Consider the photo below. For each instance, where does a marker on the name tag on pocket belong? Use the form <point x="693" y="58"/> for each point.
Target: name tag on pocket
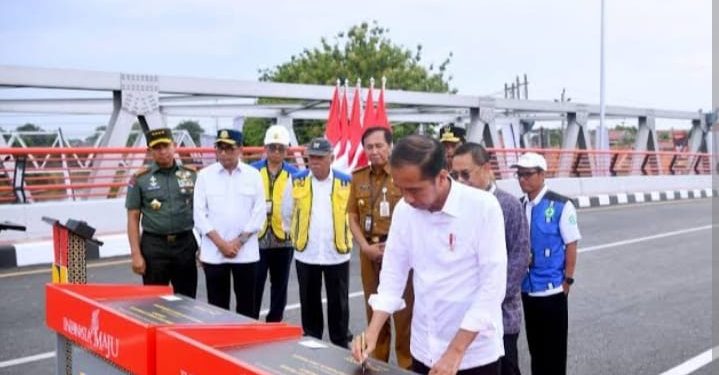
<point x="367" y="224"/>
<point x="384" y="209"/>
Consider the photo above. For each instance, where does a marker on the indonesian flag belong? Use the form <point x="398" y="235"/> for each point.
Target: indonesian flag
<point x="341" y="148"/>
<point x="355" y="129"/>
<point x="381" y="115"/>
<point x="368" y="121"/>
<point x="332" y="128"/>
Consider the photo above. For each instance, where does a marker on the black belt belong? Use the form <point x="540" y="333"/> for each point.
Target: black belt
<point x="376" y="239"/>
<point x="170" y="238"/>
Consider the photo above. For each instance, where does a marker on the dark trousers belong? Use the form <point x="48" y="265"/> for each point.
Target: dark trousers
<point x="336" y="277"/>
<point x="546" y="321"/>
<point x="277" y="262"/>
<point x="217" y="278"/>
<point x="170" y="260"/>
<point x="509" y="364"/>
<point x="488" y="369"/>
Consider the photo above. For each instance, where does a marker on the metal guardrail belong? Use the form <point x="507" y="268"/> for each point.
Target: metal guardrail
<point x="44" y="174"/>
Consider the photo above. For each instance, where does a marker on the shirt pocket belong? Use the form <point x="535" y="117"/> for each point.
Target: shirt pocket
<point x="154" y="194"/>
<point x="246" y="197"/>
<point x="362" y="202"/>
<point x="216" y="198"/>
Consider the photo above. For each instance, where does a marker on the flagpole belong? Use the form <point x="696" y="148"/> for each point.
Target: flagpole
<point x="601" y="141"/>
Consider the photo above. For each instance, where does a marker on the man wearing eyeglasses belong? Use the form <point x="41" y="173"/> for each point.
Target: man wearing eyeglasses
<point x="471" y="166"/>
<point x="554" y="235"/>
<point x="275" y="244"/>
<point x="229" y="211"/>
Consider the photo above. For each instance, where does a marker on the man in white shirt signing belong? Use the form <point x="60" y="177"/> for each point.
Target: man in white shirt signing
<point x="229" y="211"/>
<point x="452" y="236"/>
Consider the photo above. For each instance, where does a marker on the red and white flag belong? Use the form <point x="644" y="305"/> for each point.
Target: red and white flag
<point x="343" y="145"/>
<point x="332" y="128"/>
<point x="355" y="127"/>
<point x="381" y="114"/>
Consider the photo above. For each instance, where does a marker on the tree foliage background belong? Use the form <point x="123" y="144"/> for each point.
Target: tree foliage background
<point x="364" y="51"/>
<point x="193" y="128"/>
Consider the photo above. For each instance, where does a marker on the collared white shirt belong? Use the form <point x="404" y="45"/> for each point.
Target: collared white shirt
<point x="320" y="247"/>
<point x="231" y="204"/>
<point x="568" y="228"/>
<point x="459" y="258"/>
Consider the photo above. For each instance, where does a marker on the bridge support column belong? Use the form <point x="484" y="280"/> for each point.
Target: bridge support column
<point x="287" y="123"/>
<point x="576" y="137"/>
<point x="646" y="141"/>
<point x="697" y="141"/>
<point x="138" y="100"/>
<point x="483" y="130"/>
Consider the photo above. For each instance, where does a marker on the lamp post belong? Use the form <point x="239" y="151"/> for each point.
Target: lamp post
<point x="600" y="135"/>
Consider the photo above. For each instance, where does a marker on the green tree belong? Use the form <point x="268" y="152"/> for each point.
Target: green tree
<point x="35" y="140"/>
<point x="90" y="140"/>
<point x="192" y="127"/>
<point x="135" y="131"/>
<point x="363" y="51"/>
<point x="629" y="134"/>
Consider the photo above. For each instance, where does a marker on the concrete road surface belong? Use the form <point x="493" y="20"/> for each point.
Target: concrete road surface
<point x="641" y="303"/>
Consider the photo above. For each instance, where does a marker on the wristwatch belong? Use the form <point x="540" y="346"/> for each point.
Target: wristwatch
<point x="569" y="280"/>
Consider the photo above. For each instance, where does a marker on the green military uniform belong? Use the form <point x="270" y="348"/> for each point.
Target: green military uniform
<point x="372" y="198"/>
<point x="164" y="198"/>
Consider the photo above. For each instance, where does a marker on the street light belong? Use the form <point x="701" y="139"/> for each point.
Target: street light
<point x="600" y="136"/>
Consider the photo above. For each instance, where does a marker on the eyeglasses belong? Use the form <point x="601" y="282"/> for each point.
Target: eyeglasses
<point x="224" y="149"/>
<point x="526" y="174"/>
<point x="463" y="174"/>
<point x="276" y="148"/>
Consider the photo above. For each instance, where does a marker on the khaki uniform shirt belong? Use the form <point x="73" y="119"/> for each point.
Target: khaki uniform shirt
<point x="371" y="189"/>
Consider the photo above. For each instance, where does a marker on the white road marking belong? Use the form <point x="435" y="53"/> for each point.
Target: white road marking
<point x="39" y="357"/>
<point x="642" y="239"/>
<point x="324" y="301"/>
<point x="692" y="364"/>
<point x="32" y="358"/>
<point x="47" y="268"/>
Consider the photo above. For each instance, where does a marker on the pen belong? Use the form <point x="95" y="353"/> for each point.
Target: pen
<point x="363" y="364"/>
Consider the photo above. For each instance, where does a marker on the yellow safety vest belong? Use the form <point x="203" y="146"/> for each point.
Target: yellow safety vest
<point x="301" y="212"/>
<point x="274" y="219"/>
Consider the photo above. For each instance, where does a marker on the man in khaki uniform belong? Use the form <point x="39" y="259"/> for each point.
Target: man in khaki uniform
<point x="372" y="199"/>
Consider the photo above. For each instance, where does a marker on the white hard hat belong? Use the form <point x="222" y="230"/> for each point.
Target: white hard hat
<point x="531" y="160"/>
<point x="277" y="134"/>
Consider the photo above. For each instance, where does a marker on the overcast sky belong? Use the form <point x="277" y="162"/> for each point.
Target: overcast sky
<point x="658" y="52"/>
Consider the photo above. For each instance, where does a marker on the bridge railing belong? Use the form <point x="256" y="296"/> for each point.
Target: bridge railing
<point x="43" y="174"/>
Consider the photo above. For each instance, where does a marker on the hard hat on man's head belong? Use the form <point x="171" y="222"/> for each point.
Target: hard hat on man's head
<point x="531" y="160"/>
<point x="277" y="134"/>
